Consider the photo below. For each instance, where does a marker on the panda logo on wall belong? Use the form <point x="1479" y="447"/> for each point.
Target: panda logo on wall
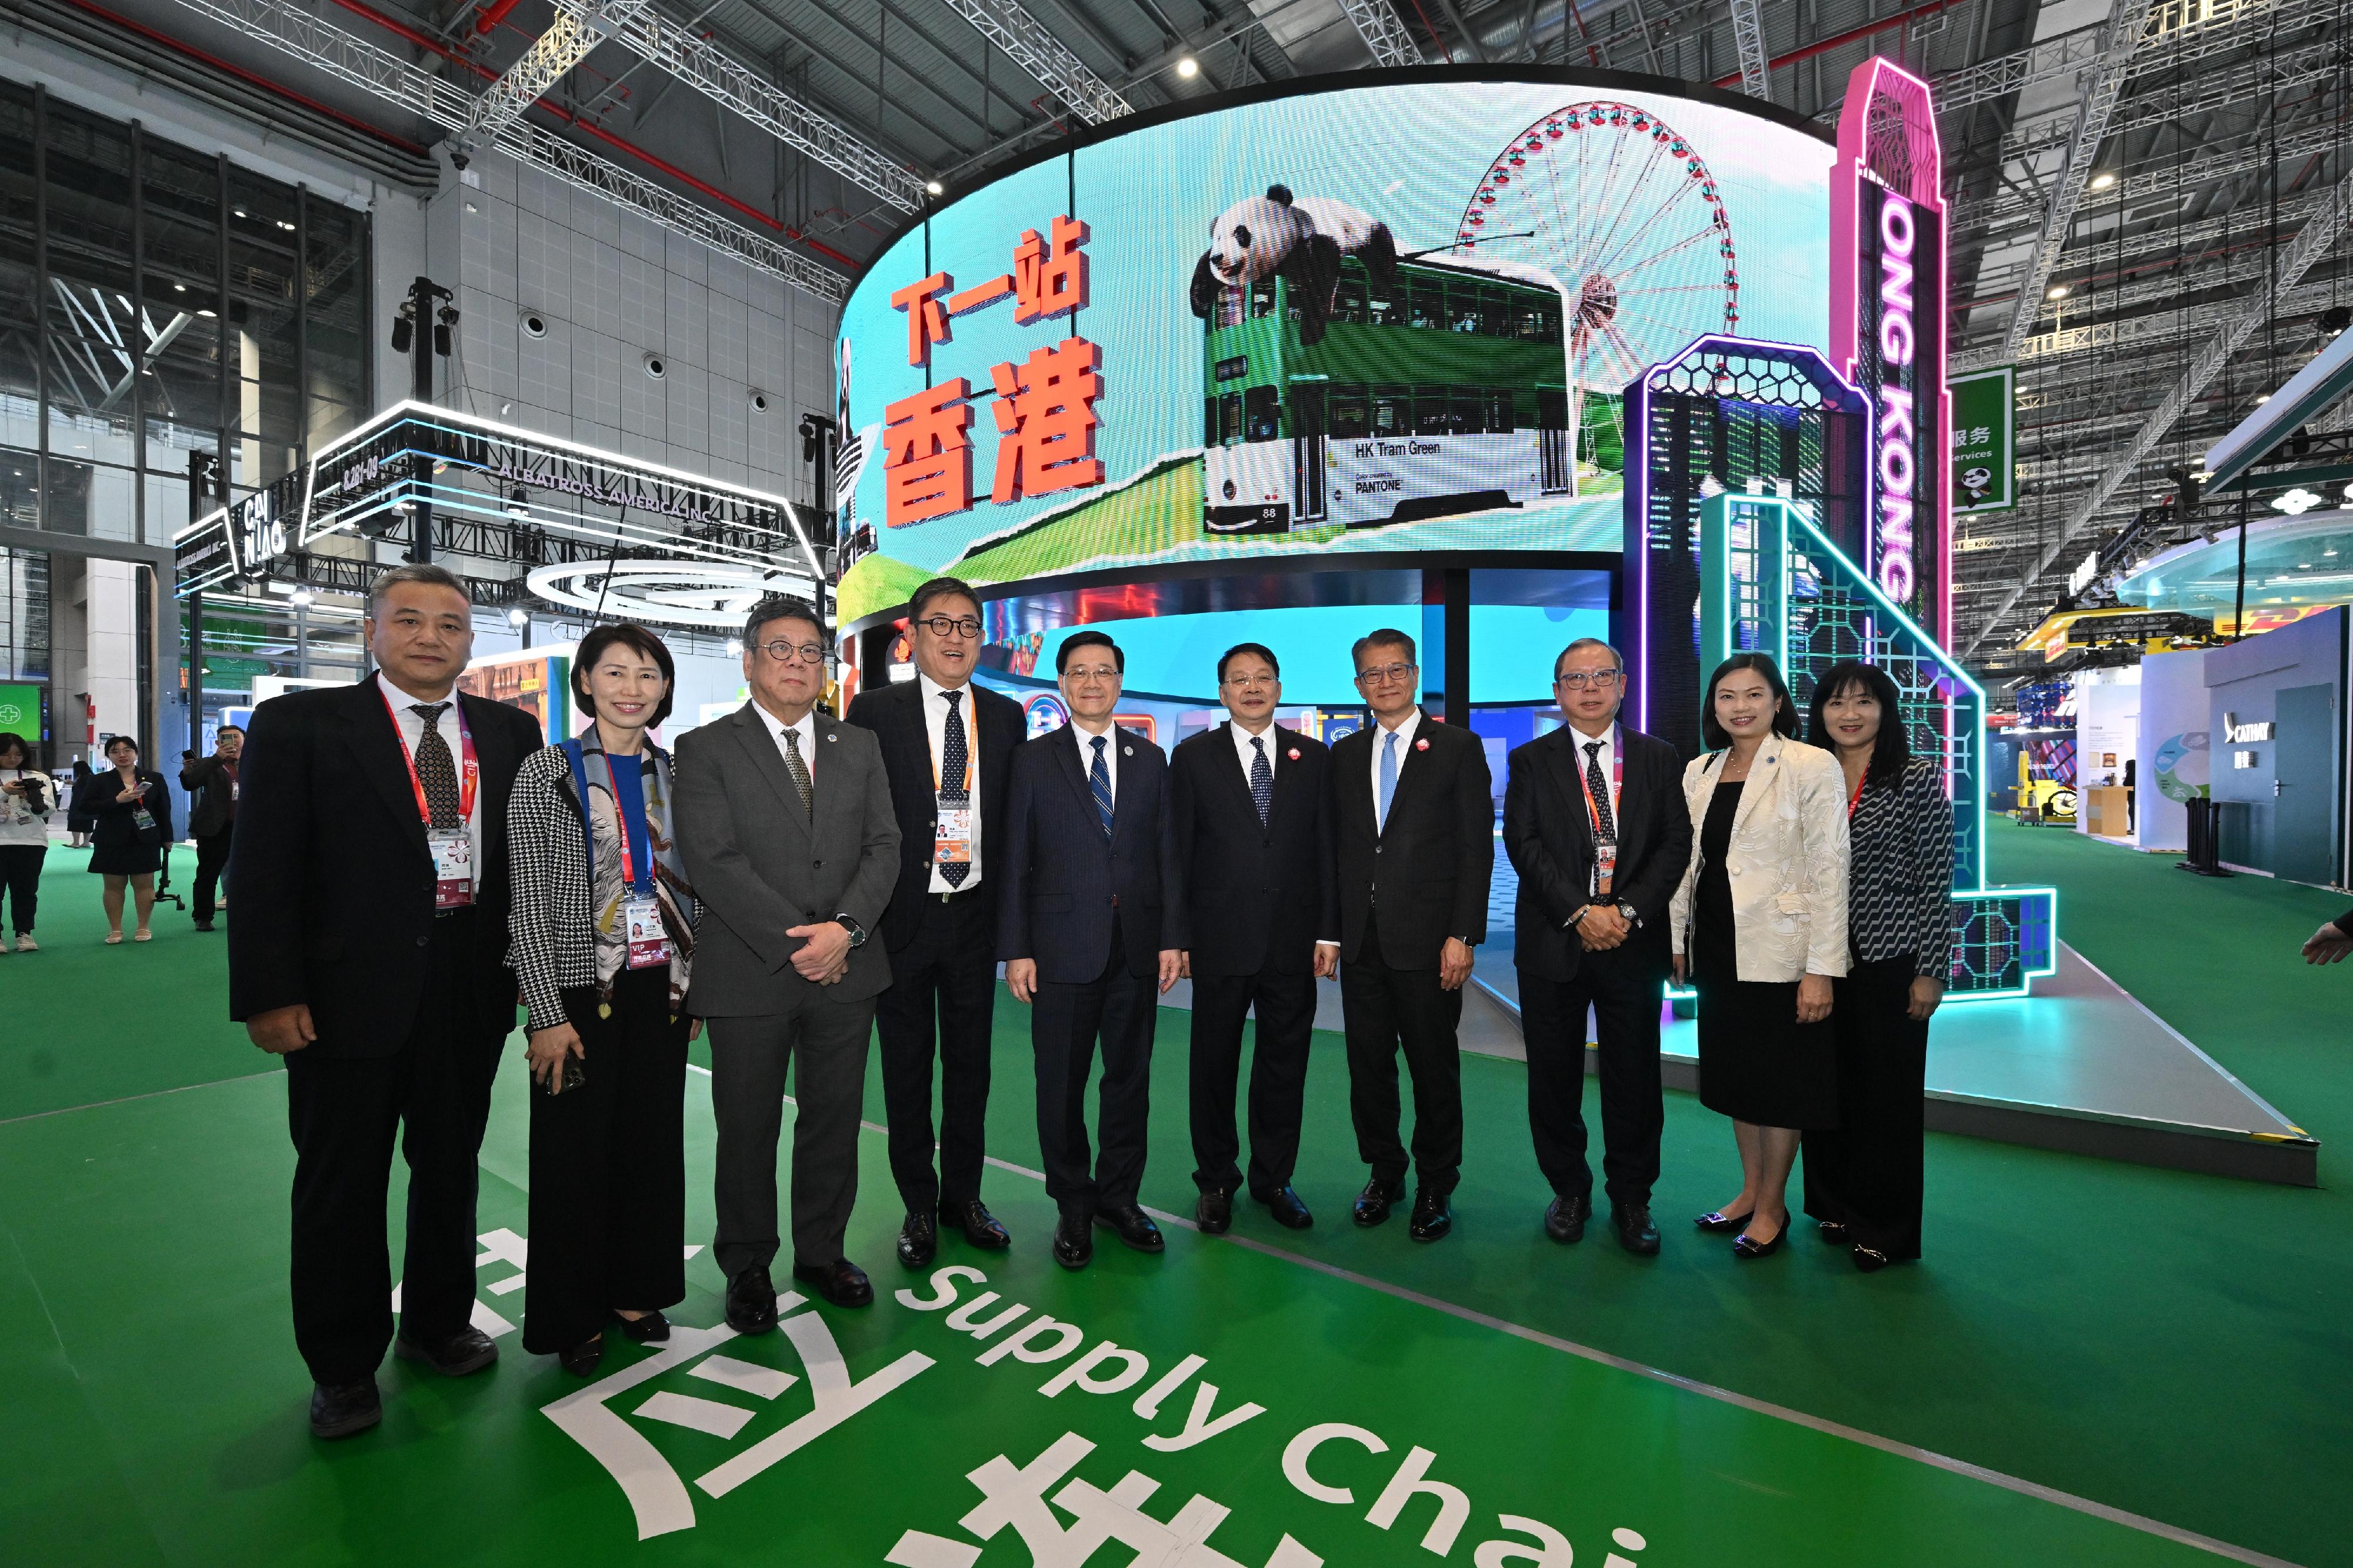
<point x="1300" y="240"/>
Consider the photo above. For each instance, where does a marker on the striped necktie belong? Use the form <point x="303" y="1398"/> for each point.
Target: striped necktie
<point x="1099" y="783"/>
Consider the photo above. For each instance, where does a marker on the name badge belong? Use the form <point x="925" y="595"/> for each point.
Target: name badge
<point x="1604" y="863"/>
<point x="647" y="937"/>
<point x="453" y="868"/>
<point x="953" y="843"/>
<point x="142" y="819"/>
<point x="232" y="789"/>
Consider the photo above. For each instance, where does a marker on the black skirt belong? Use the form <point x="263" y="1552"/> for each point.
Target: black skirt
<point x="1756" y="1063"/>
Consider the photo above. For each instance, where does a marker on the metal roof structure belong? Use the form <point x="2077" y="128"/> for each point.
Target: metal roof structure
<point x="2148" y="196"/>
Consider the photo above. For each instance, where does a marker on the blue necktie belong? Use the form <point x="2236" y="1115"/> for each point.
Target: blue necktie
<point x="1389" y="777"/>
<point x="1262" y="778"/>
<point x="1099" y="779"/>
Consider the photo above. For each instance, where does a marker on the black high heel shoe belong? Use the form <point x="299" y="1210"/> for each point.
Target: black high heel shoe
<point x="1745" y="1246"/>
<point x="1717" y="1220"/>
<point x="651" y="1328"/>
<point x="583" y="1359"/>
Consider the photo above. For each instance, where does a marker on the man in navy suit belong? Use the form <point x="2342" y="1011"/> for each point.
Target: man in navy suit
<point x="1255" y="833"/>
<point x="1091" y="919"/>
<point x="1595" y="823"/>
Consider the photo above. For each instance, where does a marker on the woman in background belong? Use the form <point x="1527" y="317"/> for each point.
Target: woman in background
<point x="80" y="823"/>
<point x="1863" y="1176"/>
<point x="27" y="798"/>
<point x="1759" y="923"/>
<point x="603" y="922"/>
<point x="132" y="812"/>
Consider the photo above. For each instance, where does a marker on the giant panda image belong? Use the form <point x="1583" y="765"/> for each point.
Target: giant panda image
<point x="1302" y="240"/>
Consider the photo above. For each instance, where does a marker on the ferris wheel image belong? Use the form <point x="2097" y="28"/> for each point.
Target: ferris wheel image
<point x="1624" y="215"/>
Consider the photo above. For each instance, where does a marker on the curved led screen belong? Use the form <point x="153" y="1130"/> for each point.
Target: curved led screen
<point x="1389" y="318"/>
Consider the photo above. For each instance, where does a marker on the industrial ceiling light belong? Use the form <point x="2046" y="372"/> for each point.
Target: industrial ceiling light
<point x="2058" y="291"/>
<point x="2103" y="180"/>
<point x="1188" y="68"/>
<point x="518" y="616"/>
<point x="2296" y="502"/>
<point x="934" y="187"/>
<point x="304" y="597"/>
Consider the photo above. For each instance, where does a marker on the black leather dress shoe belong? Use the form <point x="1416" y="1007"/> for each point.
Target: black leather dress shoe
<point x="1134" y="1225"/>
<point x="1434" y="1215"/>
<point x="340" y="1409"/>
<point x="1214" y="1212"/>
<point x="1565" y="1217"/>
<point x="1636" y="1233"/>
<point x="1835" y="1232"/>
<point x="652" y="1329"/>
<point x="1372" y="1203"/>
<point x="1074" y="1245"/>
<point x="841" y="1282"/>
<point x="468" y="1350"/>
<point x="979" y="1227"/>
<point x="582" y="1360"/>
<point x="751" y="1302"/>
<point x="1287" y="1210"/>
<point x="1870" y="1260"/>
<point x="919" y="1240"/>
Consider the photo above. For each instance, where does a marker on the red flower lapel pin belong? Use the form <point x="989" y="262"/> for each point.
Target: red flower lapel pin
<point x="1421" y="745"/>
<point x="1293" y="754"/>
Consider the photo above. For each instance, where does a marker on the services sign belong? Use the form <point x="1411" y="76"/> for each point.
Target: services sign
<point x="1985" y="440"/>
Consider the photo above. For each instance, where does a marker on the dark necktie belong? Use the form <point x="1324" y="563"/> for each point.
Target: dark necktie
<point x="1099" y="782"/>
<point x="1607" y="821"/>
<point x="1262" y="778"/>
<point x="797" y="767"/>
<point x="953" y="759"/>
<point x="434" y="771"/>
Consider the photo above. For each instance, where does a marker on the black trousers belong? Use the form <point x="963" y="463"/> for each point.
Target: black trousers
<point x="20" y="877"/>
<point x="1118" y="1009"/>
<point x="1867" y="1173"/>
<point x="344" y="1113"/>
<point x="212" y="859"/>
<point x="608" y="1169"/>
<point x="823" y="1041"/>
<point x="942" y="994"/>
<point x="1622" y="988"/>
<point x="1285" y="999"/>
<point x="1387" y="1009"/>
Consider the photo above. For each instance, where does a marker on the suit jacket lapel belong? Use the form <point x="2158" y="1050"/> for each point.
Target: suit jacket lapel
<point x="752" y="734"/>
<point x="1764" y="771"/>
<point x="375" y="737"/>
<point x="836" y="807"/>
<point x="1074" y="770"/>
<point x="1289" y="777"/>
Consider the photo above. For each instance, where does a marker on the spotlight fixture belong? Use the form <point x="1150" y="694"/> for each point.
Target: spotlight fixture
<point x="518" y="616"/>
<point x="2336" y="319"/>
<point x="518" y="502"/>
<point x="2058" y="291"/>
<point x="2103" y="180"/>
<point x="2296" y="502"/>
<point x="1188" y="68"/>
<point x="404" y="330"/>
<point x="303" y="596"/>
<point x="934" y="188"/>
<point x="2262" y="399"/>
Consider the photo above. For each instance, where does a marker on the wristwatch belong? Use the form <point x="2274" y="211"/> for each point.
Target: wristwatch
<point x="1626" y="910"/>
<point x="856" y="933"/>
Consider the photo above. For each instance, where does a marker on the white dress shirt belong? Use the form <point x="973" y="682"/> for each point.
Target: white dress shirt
<point x="936" y="728"/>
<point x="411" y="731"/>
<point x="1404" y="734"/>
<point x="1242" y="739"/>
<point x="1607" y="756"/>
<point x="804" y="735"/>
<point x="1113" y="739"/>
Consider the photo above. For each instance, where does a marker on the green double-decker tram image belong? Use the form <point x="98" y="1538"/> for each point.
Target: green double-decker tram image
<point x="1452" y="396"/>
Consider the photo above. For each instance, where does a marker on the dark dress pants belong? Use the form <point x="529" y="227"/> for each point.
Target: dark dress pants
<point x="941" y="998"/>
<point x="1867" y="1173"/>
<point x="1622" y="988"/>
<point x="20" y="877"/>
<point x="608" y="1169"/>
<point x="212" y="858"/>
<point x="1119" y="1008"/>
<point x="1285" y="1000"/>
<point x="1387" y="1009"/>
<point x="823" y="1041"/>
<point x="344" y="1112"/>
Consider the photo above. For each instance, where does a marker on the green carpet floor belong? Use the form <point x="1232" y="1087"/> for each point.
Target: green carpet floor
<point x="2169" y="1344"/>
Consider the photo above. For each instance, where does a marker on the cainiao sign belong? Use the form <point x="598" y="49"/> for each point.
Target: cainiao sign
<point x="1887" y="327"/>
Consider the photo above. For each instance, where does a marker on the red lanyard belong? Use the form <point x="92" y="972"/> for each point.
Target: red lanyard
<point x="630" y="834"/>
<point x="1856" y="794"/>
<point x="1617" y="783"/>
<point x="468" y="771"/>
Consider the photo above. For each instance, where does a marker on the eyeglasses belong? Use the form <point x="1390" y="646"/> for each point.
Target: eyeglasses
<point x="1250" y="682"/>
<point x="1093" y="672"/>
<point x="1578" y="679"/>
<point x="1382" y="674"/>
<point x="941" y="627"/>
<point x="783" y="652"/>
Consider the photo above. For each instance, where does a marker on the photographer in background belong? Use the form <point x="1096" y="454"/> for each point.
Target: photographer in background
<point x="27" y="798"/>
<point x="213" y="816"/>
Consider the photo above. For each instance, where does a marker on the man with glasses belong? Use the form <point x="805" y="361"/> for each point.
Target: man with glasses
<point x="1413" y="817"/>
<point x="946" y="746"/>
<point x="1091" y="924"/>
<point x="784" y="819"/>
<point x="1595" y="823"/>
<point x="1255" y="838"/>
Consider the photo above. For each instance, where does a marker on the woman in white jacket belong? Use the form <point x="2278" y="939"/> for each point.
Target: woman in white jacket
<point x="1759" y="925"/>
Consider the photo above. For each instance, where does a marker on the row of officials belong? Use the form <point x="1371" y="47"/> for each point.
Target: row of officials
<point x="411" y="860"/>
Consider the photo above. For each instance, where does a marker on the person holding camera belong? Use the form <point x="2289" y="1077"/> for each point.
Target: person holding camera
<point x="132" y="812"/>
<point x="27" y="798"/>
<point x="212" y="817"/>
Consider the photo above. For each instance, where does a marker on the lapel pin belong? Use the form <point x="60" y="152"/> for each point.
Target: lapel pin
<point x="1293" y="754"/>
<point x="1127" y="751"/>
<point x="1421" y="745"/>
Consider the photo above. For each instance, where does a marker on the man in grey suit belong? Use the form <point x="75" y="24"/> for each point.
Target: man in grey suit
<point x="784" y="819"/>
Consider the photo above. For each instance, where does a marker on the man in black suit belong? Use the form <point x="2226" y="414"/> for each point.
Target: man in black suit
<point x="213" y="818"/>
<point x="1091" y="919"/>
<point x="1595" y="823"/>
<point x="948" y="746"/>
<point x="368" y="946"/>
<point x="1255" y="838"/>
<point x="1413" y="817"/>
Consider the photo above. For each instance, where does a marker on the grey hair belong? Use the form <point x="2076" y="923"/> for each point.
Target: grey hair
<point x="437" y="576"/>
<point x="1588" y="642"/>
